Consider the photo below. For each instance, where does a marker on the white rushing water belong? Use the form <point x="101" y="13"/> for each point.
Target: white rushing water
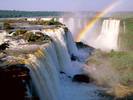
<point x="45" y="76"/>
<point x="47" y="60"/>
<point x="64" y="47"/>
<point x="2" y="36"/>
<point x="46" y="64"/>
<point x="72" y="49"/>
<point x="108" y="37"/>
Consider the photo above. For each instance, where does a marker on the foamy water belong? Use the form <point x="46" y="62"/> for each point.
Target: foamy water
<point x="108" y="38"/>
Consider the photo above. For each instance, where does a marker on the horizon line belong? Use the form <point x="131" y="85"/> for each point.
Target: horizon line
<point x="63" y="10"/>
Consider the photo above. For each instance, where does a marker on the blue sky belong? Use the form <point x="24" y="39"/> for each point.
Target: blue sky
<point x="64" y="5"/>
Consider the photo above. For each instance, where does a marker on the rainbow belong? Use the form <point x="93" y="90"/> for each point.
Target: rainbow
<point x="91" y="23"/>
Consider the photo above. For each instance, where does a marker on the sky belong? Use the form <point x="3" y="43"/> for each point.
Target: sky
<point x="64" y="5"/>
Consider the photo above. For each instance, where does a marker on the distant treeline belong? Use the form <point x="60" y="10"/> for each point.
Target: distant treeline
<point x="14" y="13"/>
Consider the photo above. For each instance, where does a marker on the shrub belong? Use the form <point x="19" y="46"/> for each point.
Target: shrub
<point x="7" y="26"/>
<point x="19" y="32"/>
<point x="118" y="61"/>
<point x="38" y="37"/>
<point x="51" y="22"/>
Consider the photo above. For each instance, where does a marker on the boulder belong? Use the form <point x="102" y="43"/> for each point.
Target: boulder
<point x="61" y="72"/>
<point x="81" y="78"/>
<point x="4" y="46"/>
<point x="73" y="57"/>
<point x="83" y="45"/>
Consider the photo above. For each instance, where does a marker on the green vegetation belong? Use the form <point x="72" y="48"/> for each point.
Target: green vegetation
<point x="123" y="61"/>
<point x="19" y="32"/>
<point x="7" y="26"/>
<point x="53" y="22"/>
<point x="38" y="37"/>
<point x="126" y="38"/>
<point x="14" y="13"/>
<point x="31" y="37"/>
<point x="40" y="22"/>
<point x="120" y="62"/>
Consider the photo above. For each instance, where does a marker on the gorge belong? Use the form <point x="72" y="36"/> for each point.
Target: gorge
<point x="54" y="60"/>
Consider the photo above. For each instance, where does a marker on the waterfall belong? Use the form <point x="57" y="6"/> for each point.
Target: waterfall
<point x="72" y="49"/>
<point x="44" y="73"/>
<point x="64" y="47"/>
<point x="108" y="37"/>
<point x="46" y="63"/>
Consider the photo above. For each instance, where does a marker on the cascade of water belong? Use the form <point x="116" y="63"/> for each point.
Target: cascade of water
<point x="59" y="39"/>
<point x="44" y="74"/>
<point x="46" y="64"/>
<point x="53" y="54"/>
<point x="72" y="49"/>
<point x="108" y="37"/>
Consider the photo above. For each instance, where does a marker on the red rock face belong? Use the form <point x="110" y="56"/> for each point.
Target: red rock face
<point x="19" y="71"/>
<point x="12" y="86"/>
